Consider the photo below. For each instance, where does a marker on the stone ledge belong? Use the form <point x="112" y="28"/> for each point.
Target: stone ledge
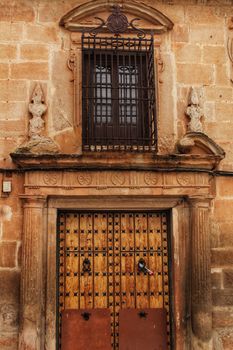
<point x="117" y="160"/>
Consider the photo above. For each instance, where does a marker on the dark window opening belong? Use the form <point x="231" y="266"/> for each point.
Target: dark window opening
<point x="118" y="93"/>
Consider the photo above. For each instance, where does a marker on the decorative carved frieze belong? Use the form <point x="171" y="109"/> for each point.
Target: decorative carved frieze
<point x="54" y="183"/>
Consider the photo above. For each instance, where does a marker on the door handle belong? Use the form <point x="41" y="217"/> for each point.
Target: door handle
<point x="142" y="267"/>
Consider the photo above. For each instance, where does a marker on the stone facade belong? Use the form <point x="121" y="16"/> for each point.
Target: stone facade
<point x="194" y="55"/>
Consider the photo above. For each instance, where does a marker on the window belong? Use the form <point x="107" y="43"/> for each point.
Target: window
<point x="118" y="93"/>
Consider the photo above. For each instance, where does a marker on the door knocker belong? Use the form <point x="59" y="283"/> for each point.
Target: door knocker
<point x="86" y="265"/>
<point x="142" y="267"/>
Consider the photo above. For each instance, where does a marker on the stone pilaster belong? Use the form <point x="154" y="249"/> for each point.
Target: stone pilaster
<point x="33" y="275"/>
<point x="201" y="298"/>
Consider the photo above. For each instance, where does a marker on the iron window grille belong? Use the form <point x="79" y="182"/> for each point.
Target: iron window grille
<point x="118" y="93"/>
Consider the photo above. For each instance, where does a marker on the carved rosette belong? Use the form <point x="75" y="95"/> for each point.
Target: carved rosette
<point x="84" y="179"/>
<point x="151" y="179"/>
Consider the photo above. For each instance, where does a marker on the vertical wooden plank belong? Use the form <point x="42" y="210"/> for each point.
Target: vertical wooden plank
<point x="71" y="288"/>
<point x="111" y="285"/>
<point x="100" y="260"/>
<point x="142" y="278"/>
<point x="127" y="261"/>
<point x="86" y="247"/>
<point x="155" y="260"/>
<point x="117" y="275"/>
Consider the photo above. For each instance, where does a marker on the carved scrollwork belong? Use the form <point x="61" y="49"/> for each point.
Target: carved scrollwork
<point x="84" y="179"/>
<point x="71" y="63"/>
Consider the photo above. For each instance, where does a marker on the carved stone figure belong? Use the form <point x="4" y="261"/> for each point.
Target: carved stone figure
<point x="37" y="108"/>
<point x="38" y="143"/>
<point x="195" y="112"/>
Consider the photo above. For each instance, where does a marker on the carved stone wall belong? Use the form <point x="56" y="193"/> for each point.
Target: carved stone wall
<point x="34" y="48"/>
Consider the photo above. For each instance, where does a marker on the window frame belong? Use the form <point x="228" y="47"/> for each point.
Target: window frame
<point x="142" y="49"/>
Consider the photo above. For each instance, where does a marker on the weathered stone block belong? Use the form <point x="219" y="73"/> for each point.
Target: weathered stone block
<point x="221" y="257"/>
<point x="222" y="75"/>
<point x="9" y="291"/>
<point x="188" y="53"/>
<point x="214" y="54"/>
<point x="225" y="187"/>
<point x="9" y="342"/>
<point x="223" y="210"/>
<point x="14" y="11"/>
<point x="11" y="31"/>
<point x="12" y="110"/>
<point x="226" y="234"/>
<point x="4" y="70"/>
<point x="29" y="70"/>
<point x="219" y="94"/>
<point x="7" y="51"/>
<point x="228" y="278"/>
<point x="7" y="254"/>
<point x="48" y="34"/>
<point x="222" y="297"/>
<point x="34" y="52"/>
<point x="224" y="111"/>
<point x="203" y="15"/>
<point x="10" y="127"/>
<point x="180" y="33"/>
<point x="13" y="90"/>
<point x="206" y="34"/>
<point x="195" y="73"/>
<point x="216" y="279"/>
<point x="222" y="318"/>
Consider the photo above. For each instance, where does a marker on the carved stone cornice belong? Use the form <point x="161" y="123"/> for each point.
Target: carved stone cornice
<point x="71" y="21"/>
<point x="197" y="143"/>
<point x="118" y="160"/>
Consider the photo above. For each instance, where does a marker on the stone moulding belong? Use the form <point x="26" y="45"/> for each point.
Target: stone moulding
<point x="160" y="22"/>
<point x="198" y="143"/>
<point x="114" y="161"/>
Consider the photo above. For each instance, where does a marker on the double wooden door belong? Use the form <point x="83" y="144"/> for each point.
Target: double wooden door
<point x="113" y="260"/>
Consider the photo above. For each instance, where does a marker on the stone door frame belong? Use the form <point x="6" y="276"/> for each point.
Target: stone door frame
<point x="38" y="317"/>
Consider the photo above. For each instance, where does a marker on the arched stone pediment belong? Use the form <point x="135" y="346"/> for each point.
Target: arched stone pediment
<point x="200" y="143"/>
<point x="157" y="21"/>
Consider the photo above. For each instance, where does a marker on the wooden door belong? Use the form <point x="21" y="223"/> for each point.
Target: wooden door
<point x="99" y="255"/>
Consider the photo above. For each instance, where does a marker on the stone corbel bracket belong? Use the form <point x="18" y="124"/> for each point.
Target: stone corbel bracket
<point x="71" y="21"/>
<point x="198" y="143"/>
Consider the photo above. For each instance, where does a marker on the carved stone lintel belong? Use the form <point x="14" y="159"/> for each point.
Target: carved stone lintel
<point x="201" y="298"/>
